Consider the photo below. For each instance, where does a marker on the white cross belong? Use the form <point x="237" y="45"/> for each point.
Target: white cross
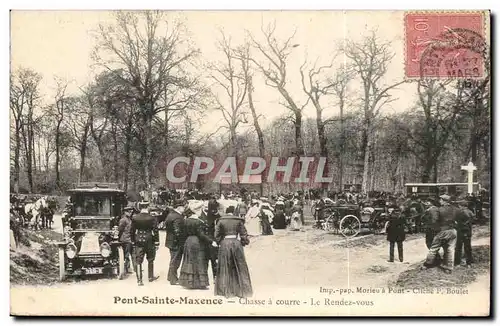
<point x="470" y="168"/>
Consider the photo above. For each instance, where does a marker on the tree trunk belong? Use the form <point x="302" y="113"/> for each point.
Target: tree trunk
<point x="33" y="154"/>
<point x="166" y="129"/>
<point x="127" y="158"/>
<point x="366" y="159"/>
<point x="39" y="154"/>
<point x="435" y="173"/>
<point x="17" y="149"/>
<point x="299" y="145"/>
<point x="27" y="155"/>
<point x="260" y="134"/>
<point x="83" y="149"/>
<point x="147" y="158"/>
<point x="342" y="148"/>
<point x="115" y="153"/>
<point x="322" y="143"/>
<point x="58" y="153"/>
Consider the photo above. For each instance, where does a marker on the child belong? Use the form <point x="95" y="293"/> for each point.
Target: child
<point x="396" y="234"/>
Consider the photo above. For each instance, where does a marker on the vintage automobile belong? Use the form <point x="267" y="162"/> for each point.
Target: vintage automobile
<point x="341" y="217"/>
<point x="90" y="224"/>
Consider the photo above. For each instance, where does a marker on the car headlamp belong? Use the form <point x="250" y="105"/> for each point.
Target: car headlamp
<point x="67" y="233"/>
<point x="71" y="250"/>
<point x="115" y="232"/>
<point x="105" y="249"/>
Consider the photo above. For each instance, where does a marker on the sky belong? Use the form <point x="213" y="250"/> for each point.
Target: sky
<point x="59" y="43"/>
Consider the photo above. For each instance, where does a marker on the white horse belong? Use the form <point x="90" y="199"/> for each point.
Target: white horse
<point x="34" y="211"/>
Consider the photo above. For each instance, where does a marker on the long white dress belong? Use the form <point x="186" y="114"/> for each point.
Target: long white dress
<point x="252" y="222"/>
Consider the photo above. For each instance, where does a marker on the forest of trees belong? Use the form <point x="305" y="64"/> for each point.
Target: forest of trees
<point x="147" y="103"/>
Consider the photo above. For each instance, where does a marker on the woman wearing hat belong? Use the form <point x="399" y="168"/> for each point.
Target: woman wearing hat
<point x="233" y="277"/>
<point x="194" y="269"/>
<point x="279" y="221"/>
<point x="252" y="221"/>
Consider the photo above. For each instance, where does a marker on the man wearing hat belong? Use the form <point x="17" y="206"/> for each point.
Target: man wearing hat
<point x="212" y="219"/>
<point x="431" y="223"/>
<point x="125" y="237"/>
<point x="176" y="236"/>
<point x="447" y="235"/>
<point x="464" y="234"/>
<point x="145" y="237"/>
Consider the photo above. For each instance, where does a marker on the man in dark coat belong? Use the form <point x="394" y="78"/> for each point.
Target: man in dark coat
<point x="145" y="237"/>
<point x="176" y="236"/>
<point x="212" y="218"/>
<point x="125" y="237"/>
<point x="396" y="234"/>
<point x="447" y="236"/>
<point x="431" y="224"/>
<point x="464" y="234"/>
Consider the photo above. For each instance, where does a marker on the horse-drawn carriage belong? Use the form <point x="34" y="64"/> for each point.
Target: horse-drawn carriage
<point x="91" y="244"/>
<point x="340" y="217"/>
<point x="36" y="211"/>
<point x="349" y="219"/>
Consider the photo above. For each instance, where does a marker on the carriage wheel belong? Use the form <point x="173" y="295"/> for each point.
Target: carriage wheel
<point x="328" y="225"/>
<point x="121" y="263"/>
<point x="313" y="209"/>
<point x="62" y="266"/>
<point x="350" y="226"/>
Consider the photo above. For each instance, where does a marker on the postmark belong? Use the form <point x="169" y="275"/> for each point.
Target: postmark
<point x="445" y="45"/>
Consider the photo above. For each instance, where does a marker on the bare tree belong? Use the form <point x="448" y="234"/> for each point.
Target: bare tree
<point x="275" y="72"/>
<point x="78" y="122"/>
<point x="339" y="90"/>
<point x="370" y="60"/>
<point x="17" y="105"/>
<point x="229" y="77"/>
<point x="46" y="136"/>
<point x="243" y="53"/>
<point x="440" y="113"/>
<point x="152" y="53"/>
<point x="58" y="113"/>
<point x="24" y="96"/>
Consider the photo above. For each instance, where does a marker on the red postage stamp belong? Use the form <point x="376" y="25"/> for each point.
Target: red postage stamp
<point x="445" y="44"/>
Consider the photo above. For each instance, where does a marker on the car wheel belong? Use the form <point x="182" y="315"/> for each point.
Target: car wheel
<point x="350" y="226"/>
<point x="62" y="265"/>
<point x="121" y="263"/>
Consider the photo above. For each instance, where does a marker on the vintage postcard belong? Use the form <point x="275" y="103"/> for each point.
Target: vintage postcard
<point x="250" y="163"/>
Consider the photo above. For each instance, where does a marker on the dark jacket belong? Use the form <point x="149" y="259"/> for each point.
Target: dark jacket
<point x="448" y="214"/>
<point x="176" y="230"/>
<point x="231" y="225"/>
<point x="431" y="219"/>
<point x="199" y="228"/>
<point x="144" y="230"/>
<point x="213" y="207"/>
<point x="396" y="229"/>
<point x="124" y="230"/>
<point x="464" y="220"/>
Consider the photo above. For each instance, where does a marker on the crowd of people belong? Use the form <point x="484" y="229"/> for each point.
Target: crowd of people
<point x="195" y="239"/>
<point x="447" y="224"/>
<point x="200" y="233"/>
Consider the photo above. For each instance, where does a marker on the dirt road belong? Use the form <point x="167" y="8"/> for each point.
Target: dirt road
<point x="292" y="273"/>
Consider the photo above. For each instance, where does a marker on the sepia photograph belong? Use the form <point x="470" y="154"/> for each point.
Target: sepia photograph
<point x="250" y="163"/>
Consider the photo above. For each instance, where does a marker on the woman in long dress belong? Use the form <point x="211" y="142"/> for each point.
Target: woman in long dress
<point x="252" y="221"/>
<point x="297" y="216"/>
<point x="266" y="220"/>
<point x="233" y="277"/>
<point x="279" y="221"/>
<point x="194" y="269"/>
